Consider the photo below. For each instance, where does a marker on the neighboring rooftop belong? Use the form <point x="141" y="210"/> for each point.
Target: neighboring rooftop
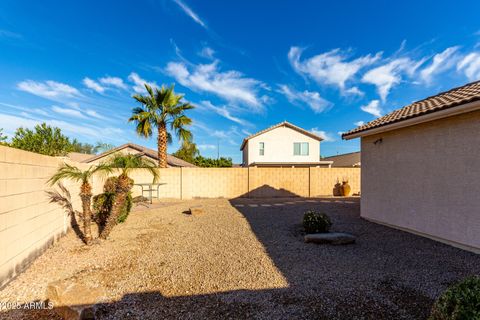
<point x="346" y="160"/>
<point x="171" y="160"/>
<point x="281" y="124"/>
<point x="442" y="101"/>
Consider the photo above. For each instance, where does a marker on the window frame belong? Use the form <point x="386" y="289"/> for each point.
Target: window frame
<point x="303" y="149"/>
<point x="261" y="148"/>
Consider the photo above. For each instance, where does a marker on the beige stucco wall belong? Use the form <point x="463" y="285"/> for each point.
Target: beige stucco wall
<point x="426" y="178"/>
<point x="279" y="147"/>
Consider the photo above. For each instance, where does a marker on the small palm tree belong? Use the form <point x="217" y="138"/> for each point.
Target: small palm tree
<point x="161" y="109"/>
<point x="69" y="172"/>
<point x="126" y="163"/>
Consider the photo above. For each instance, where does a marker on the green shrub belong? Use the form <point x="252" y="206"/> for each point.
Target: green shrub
<point x="460" y="301"/>
<point x="314" y="222"/>
<point x="102" y="203"/>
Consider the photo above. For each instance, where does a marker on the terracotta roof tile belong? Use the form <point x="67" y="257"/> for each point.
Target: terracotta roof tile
<point x="448" y="99"/>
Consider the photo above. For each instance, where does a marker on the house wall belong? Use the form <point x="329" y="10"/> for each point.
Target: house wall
<point x="279" y="147"/>
<point x="426" y="179"/>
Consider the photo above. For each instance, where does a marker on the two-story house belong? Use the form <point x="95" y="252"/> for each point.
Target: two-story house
<point x="283" y="145"/>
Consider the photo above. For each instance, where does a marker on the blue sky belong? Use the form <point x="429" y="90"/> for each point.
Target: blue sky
<point x="246" y="65"/>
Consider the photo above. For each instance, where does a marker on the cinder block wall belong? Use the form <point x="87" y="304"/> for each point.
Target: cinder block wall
<point x="28" y="222"/>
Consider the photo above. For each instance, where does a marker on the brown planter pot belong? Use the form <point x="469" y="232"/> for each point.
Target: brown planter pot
<point x="346" y="190"/>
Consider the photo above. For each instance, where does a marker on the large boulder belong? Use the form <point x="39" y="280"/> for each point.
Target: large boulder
<point x="330" y="238"/>
<point x="74" y="301"/>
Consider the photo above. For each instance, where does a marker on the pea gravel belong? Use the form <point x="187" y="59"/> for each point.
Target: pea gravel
<point x="245" y="258"/>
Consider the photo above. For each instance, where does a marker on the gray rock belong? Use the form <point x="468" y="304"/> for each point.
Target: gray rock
<point x="330" y="238"/>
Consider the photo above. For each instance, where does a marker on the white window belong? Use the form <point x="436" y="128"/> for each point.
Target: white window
<point x="300" y="148"/>
<point x="261" y="148"/>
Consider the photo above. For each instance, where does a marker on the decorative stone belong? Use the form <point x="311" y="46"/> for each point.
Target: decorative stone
<point x="196" y="211"/>
<point x="73" y="301"/>
<point x="330" y="238"/>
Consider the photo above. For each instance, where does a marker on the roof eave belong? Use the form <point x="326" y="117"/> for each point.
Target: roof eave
<point x="449" y="112"/>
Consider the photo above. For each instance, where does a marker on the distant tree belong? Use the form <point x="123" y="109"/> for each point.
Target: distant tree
<point x="82" y="147"/>
<point x="3" y="137"/>
<point x="43" y="139"/>
<point x="211" y="163"/>
<point x="161" y="109"/>
<point x="188" y="151"/>
<point x="101" y="147"/>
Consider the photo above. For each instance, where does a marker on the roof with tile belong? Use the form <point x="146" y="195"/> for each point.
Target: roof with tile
<point x="442" y="101"/>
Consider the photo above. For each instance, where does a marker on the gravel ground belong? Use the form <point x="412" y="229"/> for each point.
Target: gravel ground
<point x="246" y="258"/>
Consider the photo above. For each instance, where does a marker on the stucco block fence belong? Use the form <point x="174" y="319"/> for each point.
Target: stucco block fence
<point x="29" y="223"/>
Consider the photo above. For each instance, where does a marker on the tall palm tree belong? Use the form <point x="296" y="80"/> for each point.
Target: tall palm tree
<point x="161" y="109"/>
<point x="125" y="163"/>
<point x="69" y="172"/>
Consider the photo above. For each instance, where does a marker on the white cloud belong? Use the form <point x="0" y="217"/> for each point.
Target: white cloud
<point x="11" y="123"/>
<point x="95" y="114"/>
<point x="440" y="62"/>
<point x="207" y="52"/>
<point x="207" y="147"/>
<point x="330" y="67"/>
<point x="190" y="13"/>
<point x="388" y="75"/>
<point x="113" y="82"/>
<point x="229" y="85"/>
<point x="373" y="108"/>
<point x="67" y="112"/>
<point x="359" y="123"/>
<point x="139" y="83"/>
<point x="327" y="137"/>
<point x="48" y="89"/>
<point x="92" y="84"/>
<point x="355" y="91"/>
<point x="310" y="98"/>
<point x="224" y="112"/>
<point x="470" y="66"/>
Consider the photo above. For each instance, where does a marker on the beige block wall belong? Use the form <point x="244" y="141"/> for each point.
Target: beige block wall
<point x="426" y="179"/>
<point x="28" y="222"/>
<point x="323" y="181"/>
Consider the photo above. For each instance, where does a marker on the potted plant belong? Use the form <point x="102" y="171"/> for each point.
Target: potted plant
<point x="345" y="189"/>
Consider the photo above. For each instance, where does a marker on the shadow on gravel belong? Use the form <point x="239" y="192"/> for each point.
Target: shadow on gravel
<point x="387" y="274"/>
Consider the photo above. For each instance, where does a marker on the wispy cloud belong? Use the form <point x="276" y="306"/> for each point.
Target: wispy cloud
<point x="470" y="66"/>
<point x="232" y="85"/>
<point x="207" y="147"/>
<point x="207" y="52"/>
<point x="373" y="108"/>
<point x="9" y="34"/>
<point x="113" y="82"/>
<point x="11" y="123"/>
<point x="223" y="111"/>
<point x="139" y="83"/>
<point x="332" y="67"/>
<point x="359" y="123"/>
<point x="49" y="89"/>
<point x="189" y="12"/>
<point x="390" y="74"/>
<point x="68" y="112"/>
<point x="441" y="62"/>
<point x="310" y="98"/>
<point x="92" y="84"/>
<point x="327" y="137"/>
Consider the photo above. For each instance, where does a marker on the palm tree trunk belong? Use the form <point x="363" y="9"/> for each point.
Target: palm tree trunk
<point x="124" y="185"/>
<point x="86" y="197"/>
<point x="162" y="145"/>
